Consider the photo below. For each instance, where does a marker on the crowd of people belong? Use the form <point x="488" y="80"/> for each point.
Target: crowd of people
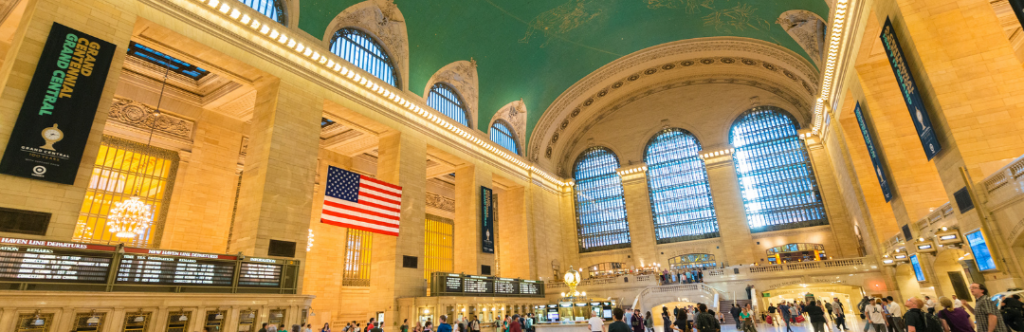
<point x="689" y="319"/>
<point x="681" y="276"/>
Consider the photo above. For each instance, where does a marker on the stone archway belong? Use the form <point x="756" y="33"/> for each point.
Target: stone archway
<point x="907" y="281"/>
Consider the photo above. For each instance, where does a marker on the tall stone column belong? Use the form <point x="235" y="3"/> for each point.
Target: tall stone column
<point x="275" y="199"/>
<point x="732" y="217"/>
<point x="838" y="217"/>
<point x="401" y="159"/>
<point x="518" y="251"/>
<point x="468" y="181"/>
<point x="638" y="213"/>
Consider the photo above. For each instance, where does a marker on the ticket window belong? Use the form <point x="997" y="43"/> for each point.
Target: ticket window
<point x="178" y="321"/>
<point x="277" y="317"/>
<point x="247" y="320"/>
<point x="137" y="321"/>
<point x="214" y="320"/>
<point x="89" y="322"/>
<point x="34" y="323"/>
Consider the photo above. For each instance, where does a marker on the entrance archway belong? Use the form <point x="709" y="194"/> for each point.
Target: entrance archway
<point x="656" y="311"/>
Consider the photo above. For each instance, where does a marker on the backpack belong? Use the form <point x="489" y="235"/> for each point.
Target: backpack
<point x="931" y="323"/>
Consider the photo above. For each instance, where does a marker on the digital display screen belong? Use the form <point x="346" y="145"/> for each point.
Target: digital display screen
<point x="474" y="285"/>
<point x="45" y="264"/>
<point x="505" y="286"/>
<point x="528" y="288"/>
<point x="163" y="270"/>
<point x="453" y="284"/>
<point x="259" y="275"/>
<point x="456" y="284"/>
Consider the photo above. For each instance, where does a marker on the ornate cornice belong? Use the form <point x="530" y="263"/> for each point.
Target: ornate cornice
<point x="139" y="116"/>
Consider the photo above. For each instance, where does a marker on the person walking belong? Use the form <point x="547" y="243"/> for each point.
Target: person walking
<point x="735" y="312"/>
<point x="985" y="312"/>
<point x="705" y="321"/>
<point x="649" y="322"/>
<point x="748" y="320"/>
<point x="637" y="322"/>
<point x="896" y="313"/>
<point x="680" y="325"/>
<point x="666" y="321"/>
<point x="786" y="315"/>
<point x="954" y="319"/>
<point x="817" y="316"/>
<point x="863" y="307"/>
<point x="875" y="315"/>
<point x="515" y="325"/>
<point x="618" y="325"/>
<point x="596" y="323"/>
<point x="840" y="313"/>
<point x="914" y="318"/>
<point x="326" y="328"/>
<point x="929" y="304"/>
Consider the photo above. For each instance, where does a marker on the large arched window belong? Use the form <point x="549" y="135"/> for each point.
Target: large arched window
<point x="681" y="203"/>
<point x="502" y="134"/>
<point x="274" y="9"/>
<point x="364" y="52"/>
<point x="444" y="99"/>
<point x="776" y="179"/>
<point x="600" y="207"/>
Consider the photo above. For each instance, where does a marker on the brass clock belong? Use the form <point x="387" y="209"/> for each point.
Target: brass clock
<point x="51" y="135"/>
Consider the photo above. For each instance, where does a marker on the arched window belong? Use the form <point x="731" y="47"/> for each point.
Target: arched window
<point x="776" y="179"/>
<point x="600" y="207"/>
<point x="444" y="99"/>
<point x="502" y="134"/>
<point x="681" y="203"/>
<point x="274" y="9"/>
<point x="364" y="52"/>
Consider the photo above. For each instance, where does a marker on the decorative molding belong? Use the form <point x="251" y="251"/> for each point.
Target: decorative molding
<point x="789" y="232"/>
<point x="804" y="74"/>
<point x="440" y="202"/>
<point x="808" y="29"/>
<point x="383" y="20"/>
<point x="515" y="114"/>
<point x="140" y="116"/>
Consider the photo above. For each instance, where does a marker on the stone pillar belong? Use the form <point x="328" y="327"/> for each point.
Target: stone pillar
<point x="518" y="255"/>
<point x="469" y="254"/>
<point x="737" y="241"/>
<point x="402" y="160"/>
<point x="107" y="20"/>
<point x="838" y="217"/>
<point x="638" y="213"/>
<point x="275" y="198"/>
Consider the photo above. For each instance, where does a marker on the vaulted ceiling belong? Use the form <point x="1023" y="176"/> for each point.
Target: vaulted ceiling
<point x="536" y="49"/>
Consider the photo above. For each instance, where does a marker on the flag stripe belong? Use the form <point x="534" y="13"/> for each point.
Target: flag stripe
<point x="383" y="183"/>
<point x="350" y="217"/>
<point x="363" y="191"/>
<point x="340" y="203"/>
<point x="355" y="215"/>
<point x="382" y="199"/>
<point x="381" y="205"/>
<point x="356" y="210"/>
<point x="353" y="226"/>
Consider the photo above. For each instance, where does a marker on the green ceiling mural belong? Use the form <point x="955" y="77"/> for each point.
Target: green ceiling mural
<point x="535" y="49"/>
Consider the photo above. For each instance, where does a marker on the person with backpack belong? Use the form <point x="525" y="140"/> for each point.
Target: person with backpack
<point x="954" y="319"/>
<point x="917" y="321"/>
<point x="706" y="322"/>
<point x="474" y="325"/>
<point x="1011" y="312"/>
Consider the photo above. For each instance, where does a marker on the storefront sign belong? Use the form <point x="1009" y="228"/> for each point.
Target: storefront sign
<point x="873" y="152"/>
<point x="487" y="218"/>
<point x="54" y="123"/>
<point x="911" y="94"/>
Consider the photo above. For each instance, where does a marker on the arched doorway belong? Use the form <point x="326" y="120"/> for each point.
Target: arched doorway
<point x="656" y="310"/>
<point x="692" y="261"/>
<point x="796" y="252"/>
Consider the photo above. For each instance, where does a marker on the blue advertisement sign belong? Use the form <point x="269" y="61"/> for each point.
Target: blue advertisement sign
<point x="487" y="218"/>
<point x="911" y="95"/>
<point x="873" y="152"/>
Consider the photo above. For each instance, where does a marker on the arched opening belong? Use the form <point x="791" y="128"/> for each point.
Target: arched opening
<point x="906" y="279"/>
<point x="600" y="205"/>
<point x="847" y="295"/>
<point x="796" y="252"/>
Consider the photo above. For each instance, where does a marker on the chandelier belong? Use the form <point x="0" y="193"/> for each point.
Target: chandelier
<point x="129" y="218"/>
<point x="309" y="240"/>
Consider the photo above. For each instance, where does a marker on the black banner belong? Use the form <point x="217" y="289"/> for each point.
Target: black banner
<point x="1018" y="9"/>
<point x="487" y="218"/>
<point x="911" y="94"/>
<point x="48" y="140"/>
<point x="873" y="152"/>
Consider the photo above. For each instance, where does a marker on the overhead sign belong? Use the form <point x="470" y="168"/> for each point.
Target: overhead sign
<point x="53" y="126"/>
<point x="487" y="219"/>
<point x="452" y="284"/>
<point x="911" y="94"/>
<point x="873" y="152"/>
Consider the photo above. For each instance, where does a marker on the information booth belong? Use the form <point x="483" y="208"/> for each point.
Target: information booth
<point x="214" y="320"/>
<point x="137" y="321"/>
<point x="89" y="322"/>
<point x="247" y="320"/>
<point x="178" y="321"/>
<point x="34" y="322"/>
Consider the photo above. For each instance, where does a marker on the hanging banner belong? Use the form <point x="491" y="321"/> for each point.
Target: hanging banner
<point x="54" y="123"/>
<point x="487" y="218"/>
<point x="911" y="95"/>
<point x="873" y="152"/>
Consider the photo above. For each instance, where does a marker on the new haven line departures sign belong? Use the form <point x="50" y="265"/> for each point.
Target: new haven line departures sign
<point x="54" y="123"/>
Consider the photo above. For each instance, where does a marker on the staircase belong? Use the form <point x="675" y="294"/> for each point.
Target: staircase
<point x="727" y="305"/>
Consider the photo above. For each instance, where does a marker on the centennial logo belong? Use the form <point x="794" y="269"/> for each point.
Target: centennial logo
<point x="51" y="135"/>
<point x="38" y="171"/>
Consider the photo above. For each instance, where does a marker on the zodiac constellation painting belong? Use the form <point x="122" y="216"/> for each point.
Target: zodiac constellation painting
<point x="738" y="18"/>
<point x="567" y="17"/>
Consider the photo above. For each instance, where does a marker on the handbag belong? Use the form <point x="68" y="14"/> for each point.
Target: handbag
<point x="799" y="319"/>
<point x="768" y="320"/>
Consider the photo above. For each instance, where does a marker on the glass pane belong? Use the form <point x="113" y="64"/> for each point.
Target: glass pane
<point x="681" y="203"/>
<point x="364" y="52"/>
<point x="600" y="206"/>
<point x="439" y="245"/>
<point x="444" y="99"/>
<point x="776" y="180"/>
<point x="502" y="135"/>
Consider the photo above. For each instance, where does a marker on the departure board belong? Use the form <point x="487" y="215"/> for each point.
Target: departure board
<point x="529" y="287"/>
<point x="453" y="283"/>
<point x="260" y="274"/>
<point x="163" y="270"/>
<point x="479" y="286"/>
<point x="30" y="264"/>
<point x="506" y="286"/>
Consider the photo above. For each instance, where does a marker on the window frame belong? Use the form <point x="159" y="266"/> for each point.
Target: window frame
<point x="384" y="57"/>
<point x="619" y="203"/>
<point x="701" y="169"/>
<point x="789" y="166"/>
<point x="511" y="135"/>
<point x="459" y="103"/>
<point x="279" y="5"/>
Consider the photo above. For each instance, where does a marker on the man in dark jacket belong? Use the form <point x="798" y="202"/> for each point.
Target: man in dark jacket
<point x="444" y="326"/>
<point x="705" y="321"/>
<point x="817" y="316"/>
<point x="735" y="312"/>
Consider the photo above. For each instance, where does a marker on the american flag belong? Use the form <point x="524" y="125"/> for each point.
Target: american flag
<point x="361" y="202"/>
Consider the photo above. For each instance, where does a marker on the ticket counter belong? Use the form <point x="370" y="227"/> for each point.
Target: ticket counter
<point x="137" y="321"/>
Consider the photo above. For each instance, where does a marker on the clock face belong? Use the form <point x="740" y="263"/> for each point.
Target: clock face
<point x="53" y="134"/>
